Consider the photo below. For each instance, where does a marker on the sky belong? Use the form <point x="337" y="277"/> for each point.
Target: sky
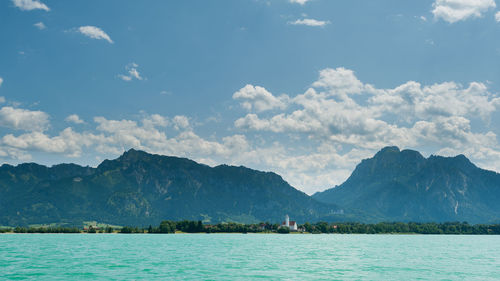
<point x="303" y="88"/>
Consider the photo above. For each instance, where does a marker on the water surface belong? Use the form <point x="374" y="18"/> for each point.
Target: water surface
<point x="248" y="256"/>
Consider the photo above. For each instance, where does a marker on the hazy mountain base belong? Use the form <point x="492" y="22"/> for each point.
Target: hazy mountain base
<point x="404" y="186"/>
<point x="141" y="189"/>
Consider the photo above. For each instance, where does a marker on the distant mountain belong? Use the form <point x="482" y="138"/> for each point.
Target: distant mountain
<point x="140" y="189"/>
<point x="399" y="185"/>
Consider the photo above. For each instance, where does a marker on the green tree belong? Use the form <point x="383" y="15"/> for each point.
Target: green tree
<point x="283" y="230"/>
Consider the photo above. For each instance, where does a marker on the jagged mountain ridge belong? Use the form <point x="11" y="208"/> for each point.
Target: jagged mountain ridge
<point x="403" y="185"/>
<point x="139" y="188"/>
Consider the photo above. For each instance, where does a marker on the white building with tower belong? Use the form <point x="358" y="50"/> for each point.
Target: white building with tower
<point x="292" y="225"/>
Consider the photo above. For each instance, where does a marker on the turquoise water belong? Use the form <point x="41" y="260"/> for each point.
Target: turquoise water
<point x="248" y="256"/>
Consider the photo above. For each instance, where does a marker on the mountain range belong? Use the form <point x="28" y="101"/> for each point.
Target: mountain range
<point x="139" y="188"/>
<point x="399" y="185"/>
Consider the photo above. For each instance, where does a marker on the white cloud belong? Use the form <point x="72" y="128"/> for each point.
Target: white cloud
<point x="15" y="154"/>
<point x="438" y="100"/>
<point x="301" y="2"/>
<point x="132" y="71"/>
<point x="181" y="122"/>
<point x="37" y="141"/>
<point x="22" y="119"/>
<point x="67" y="142"/>
<point x="497" y="16"/>
<point x="259" y="99"/>
<point x="118" y="135"/>
<point x="320" y="116"/>
<point x="74" y="118"/>
<point x="125" y="77"/>
<point x="2" y="99"/>
<point x="457" y="10"/>
<point x="40" y="25"/>
<point x="1" y="81"/>
<point x="334" y="115"/>
<point x="339" y="81"/>
<point x="94" y="33"/>
<point x="28" y="5"/>
<point x="155" y="120"/>
<point x="309" y="22"/>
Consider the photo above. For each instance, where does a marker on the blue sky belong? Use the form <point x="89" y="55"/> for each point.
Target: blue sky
<point x="304" y="88"/>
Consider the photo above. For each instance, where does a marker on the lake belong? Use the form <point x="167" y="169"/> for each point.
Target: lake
<point x="248" y="256"/>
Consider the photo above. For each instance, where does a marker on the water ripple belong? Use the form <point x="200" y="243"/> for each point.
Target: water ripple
<point x="248" y="257"/>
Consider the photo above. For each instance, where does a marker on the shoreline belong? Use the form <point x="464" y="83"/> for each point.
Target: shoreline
<point x="254" y="233"/>
<point x="192" y="227"/>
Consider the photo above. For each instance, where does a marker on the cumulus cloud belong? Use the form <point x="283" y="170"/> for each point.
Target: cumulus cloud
<point x="497" y="16"/>
<point x="28" y="5"/>
<point x="132" y="73"/>
<point x="40" y="25"/>
<point x="94" y="33"/>
<point x="110" y="137"/>
<point x="445" y="99"/>
<point x="149" y="134"/>
<point x="22" y="119"/>
<point x="1" y="81"/>
<point x="334" y="114"/>
<point x="339" y="81"/>
<point x="457" y="10"/>
<point x="73" y="118"/>
<point x="38" y="141"/>
<point x="319" y="116"/>
<point x="155" y="120"/>
<point x="181" y="122"/>
<point x="309" y="22"/>
<point x="259" y="99"/>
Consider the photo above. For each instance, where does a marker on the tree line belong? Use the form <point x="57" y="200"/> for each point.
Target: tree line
<point x="187" y="226"/>
<point x="198" y="227"/>
<point x="321" y="227"/>
<point x="51" y="229"/>
<point x="401" y="227"/>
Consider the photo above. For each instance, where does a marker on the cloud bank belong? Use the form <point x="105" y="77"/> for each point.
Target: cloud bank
<point x="313" y="139"/>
